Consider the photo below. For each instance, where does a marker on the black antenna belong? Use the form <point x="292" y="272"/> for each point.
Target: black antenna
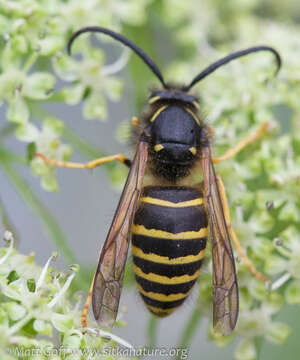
<point x="211" y="68"/>
<point x="147" y="60"/>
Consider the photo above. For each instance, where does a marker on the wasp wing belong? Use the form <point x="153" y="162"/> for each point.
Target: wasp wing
<point x="225" y="287"/>
<point x="110" y="271"/>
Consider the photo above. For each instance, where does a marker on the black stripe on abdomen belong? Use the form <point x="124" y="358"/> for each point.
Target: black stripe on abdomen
<point x="166" y="289"/>
<point x="162" y="304"/>
<point x="165" y="269"/>
<point x="174" y="194"/>
<point x="173" y="220"/>
<point x="170" y="248"/>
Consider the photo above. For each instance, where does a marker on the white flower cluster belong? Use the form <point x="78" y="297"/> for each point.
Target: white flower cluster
<point x="36" y="301"/>
<point x="34" y="38"/>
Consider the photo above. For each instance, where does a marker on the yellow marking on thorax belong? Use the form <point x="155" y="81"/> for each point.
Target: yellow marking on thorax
<point x="158" y="147"/>
<point x="193" y="150"/>
<point x="165" y="259"/>
<point x="196" y="104"/>
<point x="153" y="99"/>
<point x="141" y="230"/>
<point x="162" y="108"/>
<point x="164" y="279"/>
<point x="155" y="201"/>
<point x="193" y="115"/>
<point x="162" y="297"/>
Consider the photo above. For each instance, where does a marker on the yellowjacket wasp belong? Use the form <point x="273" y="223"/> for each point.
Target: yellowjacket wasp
<point x="167" y="216"/>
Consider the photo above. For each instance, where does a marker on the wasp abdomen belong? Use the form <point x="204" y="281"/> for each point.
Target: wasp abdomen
<point x="168" y="245"/>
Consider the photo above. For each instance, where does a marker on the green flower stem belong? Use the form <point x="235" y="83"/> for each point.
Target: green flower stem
<point x="190" y="329"/>
<point x="7" y="130"/>
<point x="258" y="345"/>
<point x="18" y="326"/>
<point x="6" y="221"/>
<point x="44" y="214"/>
<point x="87" y="149"/>
<point x="9" y="156"/>
<point x="81" y="145"/>
<point x="152" y="331"/>
<point x="30" y="61"/>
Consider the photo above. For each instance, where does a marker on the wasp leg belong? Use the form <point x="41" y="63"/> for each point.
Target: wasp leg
<point x="135" y="121"/>
<point x="243" y="143"/>
<point x="233" y="235"/>
<point x="90" y="165"/>
<point x="86" y="307"/>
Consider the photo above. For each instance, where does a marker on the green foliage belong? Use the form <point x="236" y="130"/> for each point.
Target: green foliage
<point x="262" y="182"/>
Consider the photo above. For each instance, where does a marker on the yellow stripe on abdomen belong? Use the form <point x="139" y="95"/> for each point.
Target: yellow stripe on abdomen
<point x="162" y="297"/>
<point x="141" y="230"/>
<point x="160" y="311"/>
<point x="165" y="279"/>
<point x="165" y="259"/>
<point x="160" y="202"/>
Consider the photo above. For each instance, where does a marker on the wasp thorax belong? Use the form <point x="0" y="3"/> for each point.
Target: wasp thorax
<point x="175" y="135"/>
